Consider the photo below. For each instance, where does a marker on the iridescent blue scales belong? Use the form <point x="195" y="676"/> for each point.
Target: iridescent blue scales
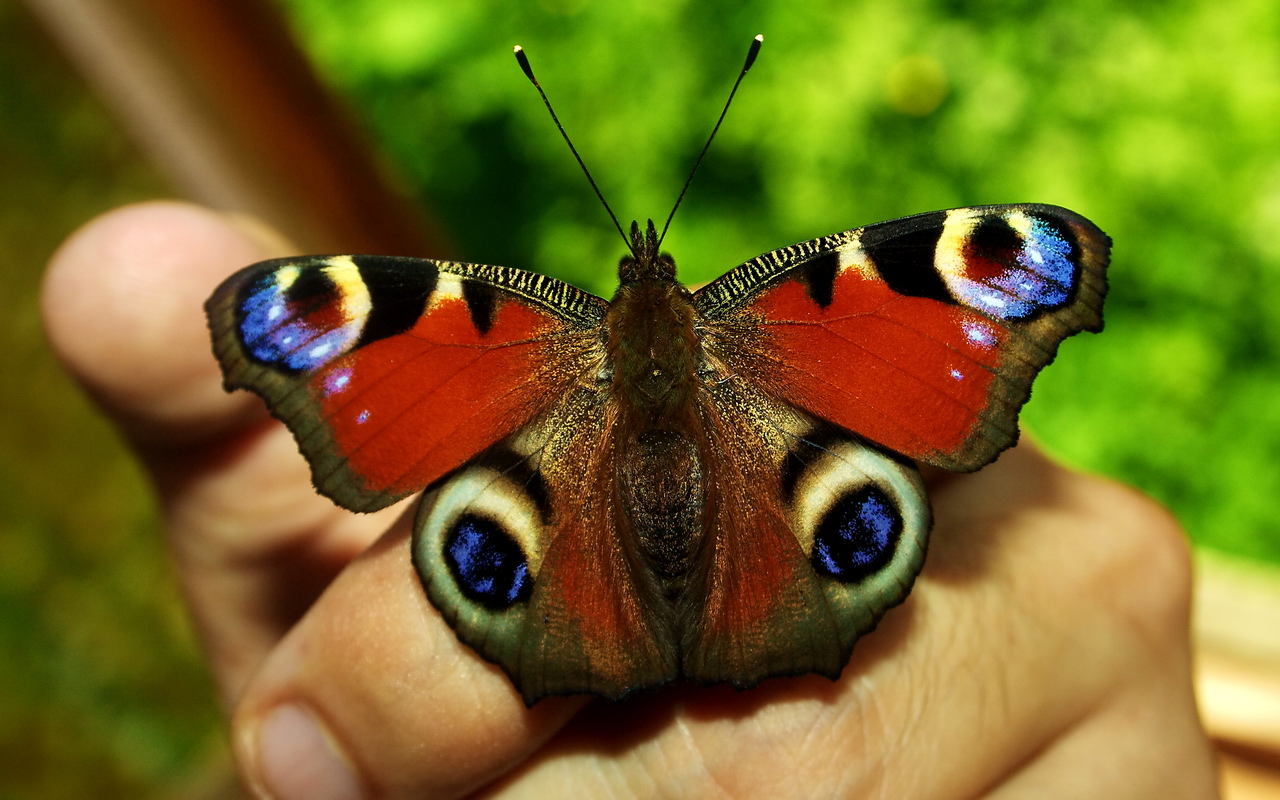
<point x="1041" y="278"/>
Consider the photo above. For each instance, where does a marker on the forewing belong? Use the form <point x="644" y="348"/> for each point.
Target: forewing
<point x="391" y="372"/>
<point x="922" y="334"/>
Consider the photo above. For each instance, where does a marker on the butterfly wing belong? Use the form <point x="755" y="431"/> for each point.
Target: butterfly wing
<point x="394" y="374"/>
<point x="524" y="552"/>
<point x="922" y="334"/>
<point x="812" y="535"/>
<point x="391" y="372"/>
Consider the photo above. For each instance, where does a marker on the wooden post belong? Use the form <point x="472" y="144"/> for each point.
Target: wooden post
<point x="218" y="93"/>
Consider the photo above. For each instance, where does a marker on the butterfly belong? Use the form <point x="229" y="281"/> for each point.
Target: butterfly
<point x="716" y="486"/>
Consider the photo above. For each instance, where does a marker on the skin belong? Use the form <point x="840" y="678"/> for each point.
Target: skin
<point x="1043" y="653"/>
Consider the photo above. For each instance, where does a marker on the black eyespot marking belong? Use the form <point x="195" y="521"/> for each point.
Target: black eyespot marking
<point x="311" y="290"/>
<point x="819" y="278"/>
<point x="804" y="449"/>
<point x="793" y="466"/>
<point x="398" y="296"/>
<point x="285" y="324"/>
<point x="905" y="259"/>
<point x="857" y="536"/>
<point x="518" y="469"/>
<point x="481" y="302"/>
<point x="487" y="565"/>
<point x="994" y="240"/>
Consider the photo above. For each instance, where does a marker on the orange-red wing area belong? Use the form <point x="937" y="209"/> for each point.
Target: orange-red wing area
<point x="412" y="407"/>
<point x="915" y="375"/>
<point x="391" y="372"/>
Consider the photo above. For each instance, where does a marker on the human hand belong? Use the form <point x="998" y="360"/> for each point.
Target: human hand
<point x="1043" y="653"/>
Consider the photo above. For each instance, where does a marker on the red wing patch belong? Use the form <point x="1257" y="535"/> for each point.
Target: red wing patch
<point x="407" y="409"/>
<point x="912" y="374"/>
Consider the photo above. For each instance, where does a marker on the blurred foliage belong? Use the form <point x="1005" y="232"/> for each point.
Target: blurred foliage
<point x="102" y="689"/>
<point x="1156" y="120"/>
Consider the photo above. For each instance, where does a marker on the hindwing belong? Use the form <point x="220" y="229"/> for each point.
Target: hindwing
<point x="523" y="552"/>
<point x="811" y="535"/>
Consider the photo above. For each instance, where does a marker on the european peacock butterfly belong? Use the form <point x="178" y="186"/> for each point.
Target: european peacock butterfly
<point x="716" y="485"/>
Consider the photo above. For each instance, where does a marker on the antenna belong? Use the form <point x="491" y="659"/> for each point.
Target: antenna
<point x="751" y="59"/>
<point x="528" y="72"/>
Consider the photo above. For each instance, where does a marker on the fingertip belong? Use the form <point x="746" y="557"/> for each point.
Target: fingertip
<point x="299" y="759"/>
<point x="122" y="304"/>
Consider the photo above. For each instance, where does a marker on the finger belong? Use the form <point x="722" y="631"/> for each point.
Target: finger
<point x="1047" y="595"/>
<point x="372" y="694"/>
<point x="1146" y="742"/>
<point x="1145" y="738"/>
<point x="123" y="307"/>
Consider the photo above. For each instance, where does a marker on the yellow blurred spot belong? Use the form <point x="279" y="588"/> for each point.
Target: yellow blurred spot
<point x="916" y="85"/>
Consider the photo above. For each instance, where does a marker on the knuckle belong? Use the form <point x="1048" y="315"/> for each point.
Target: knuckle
<point x="1146" y="576"/>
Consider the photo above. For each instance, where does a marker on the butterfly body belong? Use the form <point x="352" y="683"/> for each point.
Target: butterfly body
<point x="716" y="486"/>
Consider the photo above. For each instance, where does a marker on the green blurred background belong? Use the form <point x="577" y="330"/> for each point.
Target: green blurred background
<point x="1159" y="121"/>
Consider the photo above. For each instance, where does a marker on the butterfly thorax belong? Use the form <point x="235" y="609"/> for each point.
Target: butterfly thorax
<point x="653" y="348"/>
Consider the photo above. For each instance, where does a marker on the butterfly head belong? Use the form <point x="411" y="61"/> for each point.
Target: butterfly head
<point x="645" y="262"/>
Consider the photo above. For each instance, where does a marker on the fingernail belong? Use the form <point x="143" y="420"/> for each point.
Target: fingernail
<point x="297" y="758"/>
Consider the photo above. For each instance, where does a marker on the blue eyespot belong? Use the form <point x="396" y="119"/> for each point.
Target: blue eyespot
<point x="276" y="330"/>
<point x="487" y="564"/>
<point x="1050" y="269"/>
<point x="1041" y="278"/>
<point x="857" y="536"/>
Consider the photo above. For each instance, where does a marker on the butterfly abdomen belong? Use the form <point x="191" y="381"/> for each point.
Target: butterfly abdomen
<point x="660" y="481"/>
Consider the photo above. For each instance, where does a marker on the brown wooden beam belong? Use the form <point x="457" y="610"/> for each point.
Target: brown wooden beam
<point x="226" y="103"/>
